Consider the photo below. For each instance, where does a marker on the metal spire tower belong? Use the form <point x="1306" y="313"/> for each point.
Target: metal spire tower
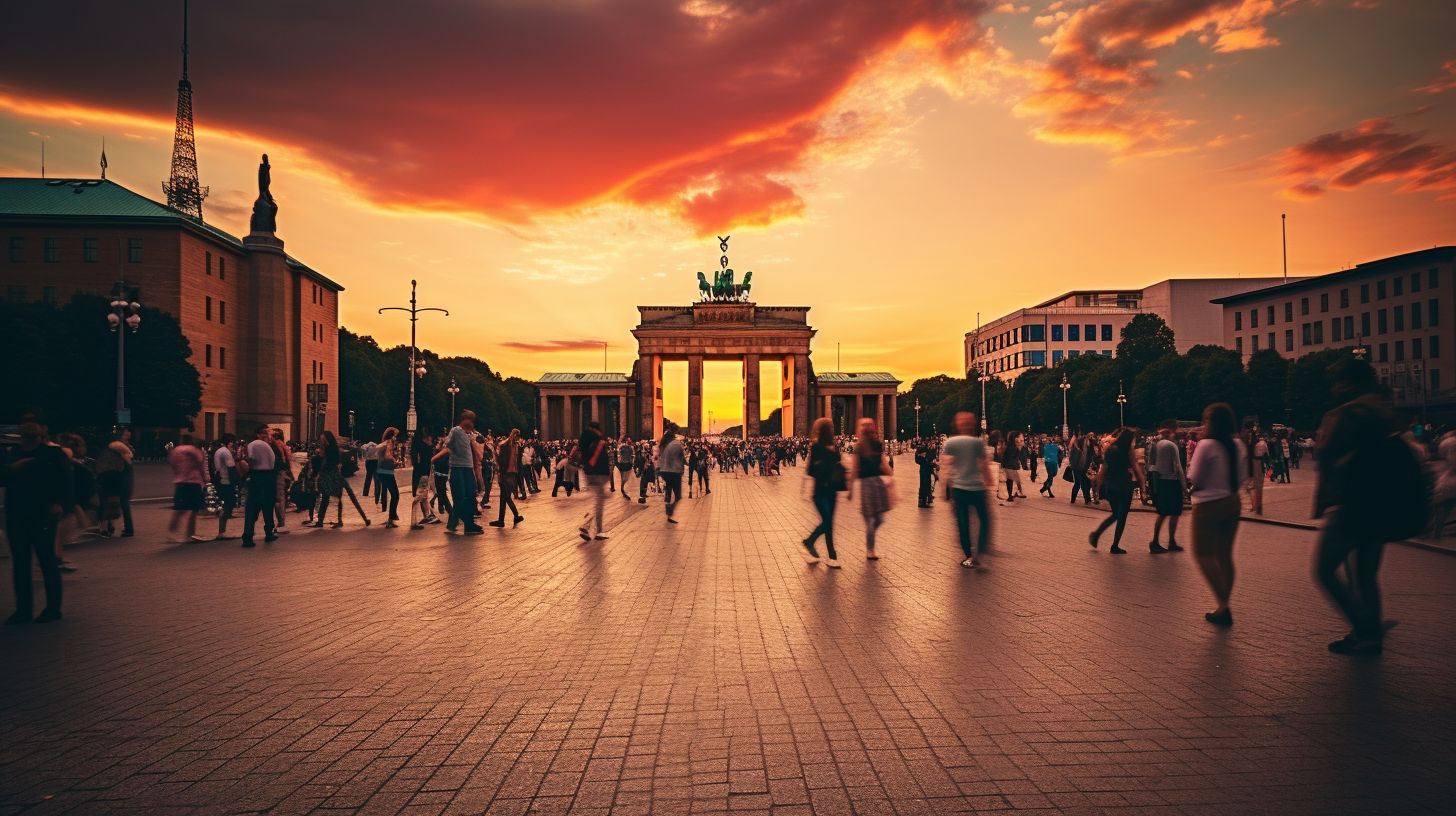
<point x="184" y="193"/>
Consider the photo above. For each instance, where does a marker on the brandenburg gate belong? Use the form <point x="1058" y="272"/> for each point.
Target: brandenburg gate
<point x="723" y="325"/>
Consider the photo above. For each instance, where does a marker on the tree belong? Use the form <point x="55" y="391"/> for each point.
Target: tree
<point x="1161" y="391"/>
<point x="1268" y="376"/>
<point x="1145" y="339"/>
<point x="1217" y="375"/>
<point x="1308" y="394"/>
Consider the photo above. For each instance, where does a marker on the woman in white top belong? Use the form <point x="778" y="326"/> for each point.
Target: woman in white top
<point x="1214" y="474"/>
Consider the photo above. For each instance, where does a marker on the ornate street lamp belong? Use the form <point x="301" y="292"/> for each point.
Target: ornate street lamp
<point x="452" y="390"/>
<point x="124" y="312"/>
<point x="917" y="417"/>
<point x="1065" y="386"/>
<point x="983" y="379"/>
<point x="416" y="364"/>
<point x="1121" y="401"/>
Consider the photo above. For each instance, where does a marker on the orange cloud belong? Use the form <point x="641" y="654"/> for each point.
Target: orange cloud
<point x="551" y="346"/>
<point x="1443" y="84"/>
<point x="1369" y="153"/>
<point x="509" y="110"/>
<point x="1095" y="87"/>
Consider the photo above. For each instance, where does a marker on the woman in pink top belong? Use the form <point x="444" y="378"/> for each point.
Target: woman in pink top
<point x="189" y="474"/>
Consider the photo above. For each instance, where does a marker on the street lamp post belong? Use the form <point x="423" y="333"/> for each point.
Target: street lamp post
<point x="984" y="378"/>
<point x="453" y="390"/>
<point x="1065" y="386"/>
<point x="416" y="365"/>
<point x="125" y="316"/>
<point x="917" y="417"/>
<point x="1121" y="401"/>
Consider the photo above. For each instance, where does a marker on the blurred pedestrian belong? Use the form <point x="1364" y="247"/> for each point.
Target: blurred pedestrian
<point x="1217" y="469"/>
<point x="37" y="483"/>
<point x="1114" y="483"/>
<point x="828" y="479"/>
<point x="868" y="473"/>
<point x="189" y="475"/>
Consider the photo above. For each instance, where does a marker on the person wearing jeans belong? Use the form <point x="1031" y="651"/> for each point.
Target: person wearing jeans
<point x="262" y="487"/>
<point x="37" y="481"/>
<point x="827" y="472"/>
<point x="967" y="463"/>
<point x="459" y="451"/>
<point x="596" y="465"/>
<point x="1114" y="483"/>
<point x="671" y="462"/>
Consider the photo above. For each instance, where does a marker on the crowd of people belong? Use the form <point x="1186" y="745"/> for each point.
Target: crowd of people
<point x="56" y="492"/>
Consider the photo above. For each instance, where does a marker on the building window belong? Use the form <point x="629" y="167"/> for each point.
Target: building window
<point x="1036" y="358"/>
<point x="1238" y="345"/>
<point x="1398" y="285"/>
<point x="209" y="263"/>
<point x="1253" y="318"/>
<point x="1433" y="345"/>
<point x="1381" y="324"/>
<point x="1415" y="348"/>
<point x="1364" y="324"/>
<point x="1107" y="332"/>
<point x="1271" y="341"/>
<point x="1334" y="330"/>
<point x="1433" y="312"/>
<point x="1074" y="332"/>
<point x="222" y="273"/>
<point x="209" y="308"/>
<point x="1344" y="298"/>
<point x="1270" y="313"/>
<point x="1325" y="302"/>
<point x="1415" y="315"/>
<point x="1415" y="282"/>
<point x="1399" y="350"/>
<point x="1289" y="312"/>
<point x="1306" y="335"/>
<point x="1056" y="356"/>
<point x="1238" y="321"/>
<point x="52" y="249"/>
<point x="207" y="355"/>
<point x="1349" y="327"/>
<point x="1433" y="278"/>
<point x="1319" y="332"/>
<point x="222" y="311"/>
<point x="1435" y="378"/>
<point x="1304" y="306"/>
<point x="1364" y="293"/>
<point x="134" y="250"/>
<point x="221" y="357"/>
<point x="1399" y="318"/>
<point x="17" y="249"/>
<point x="1289" y="339"/>
<point x="48" y="295"/>
<point x="1035" y="333"/>
<point x="89" y="251"/>
<point x="1254" y="343"/>
<point x="1380" y="290"/>
<point x="1090" y="332"/>
<point x="1384" y="355"/>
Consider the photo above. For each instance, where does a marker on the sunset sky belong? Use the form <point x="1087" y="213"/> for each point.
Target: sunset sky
<point x="544" y="166"/>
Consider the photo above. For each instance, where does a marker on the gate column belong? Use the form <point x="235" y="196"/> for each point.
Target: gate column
<point x="695" y="395"/>
<point x="750" y="395"/>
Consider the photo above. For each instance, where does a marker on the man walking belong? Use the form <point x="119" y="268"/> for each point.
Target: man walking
<point x="37" y="481"/>
<point x="670" y="463"/>
<point x="596" y="465"/>
<point x="460" y="451"/>
<point x="967" y="463"/>
<point x="1051" y="456"/>
<point x="262" y="487"/>
<point x="1166" y="466"/>
<point x="371" y="464"/>
<point x="626" y="459"/>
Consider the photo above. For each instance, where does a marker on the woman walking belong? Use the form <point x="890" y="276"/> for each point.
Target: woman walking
<point x="1214" y="475"/>
<point x="385" y="484"/>
<point x="826" y="471"/>
<point x="1114" y="483"/>
<point x="1078" y="463"/>
<point x="332" y="484"/>
<point x="869" y="474"/>
<point x="508" y="460"/>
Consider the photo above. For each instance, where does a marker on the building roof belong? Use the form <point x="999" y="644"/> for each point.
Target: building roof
<point x="1439" y="253"/>
<point x="869" y="377"/>
<point x="101" y="200"/>
<point x="572" y="378"/>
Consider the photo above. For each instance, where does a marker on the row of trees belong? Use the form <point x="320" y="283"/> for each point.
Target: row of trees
<point x="374" y="384"/>
<point x="60" y="364"/>
<point x="1158" y="384"/>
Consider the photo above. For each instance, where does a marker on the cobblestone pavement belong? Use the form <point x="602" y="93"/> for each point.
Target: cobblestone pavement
<point x="705" y="668"/>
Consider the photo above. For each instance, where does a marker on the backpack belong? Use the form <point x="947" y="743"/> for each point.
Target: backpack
<point x="1394" y="496"/>
<point x="349" y="464"/>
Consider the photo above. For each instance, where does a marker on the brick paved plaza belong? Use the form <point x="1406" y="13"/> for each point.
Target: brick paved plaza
<point x="706" y="668"/>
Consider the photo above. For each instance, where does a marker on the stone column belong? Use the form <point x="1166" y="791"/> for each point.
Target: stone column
<point x="803" y="399"/>
<point x="750" y="395"/>
<point x="622" y="415"/>
<point x="894" y="429"/>
<point x="828" y="407"/>
<point x="542" y="424"/>
<point x="596" y="412"/>
<point x="695" y="395"/>
<point x="789" y="405"/>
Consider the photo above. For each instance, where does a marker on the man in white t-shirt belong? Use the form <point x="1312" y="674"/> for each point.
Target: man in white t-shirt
<point x="368" y="452"/>
<point x="262" y="486"/>
<point x="966" y="464"/>
<point x="225" y="466"/>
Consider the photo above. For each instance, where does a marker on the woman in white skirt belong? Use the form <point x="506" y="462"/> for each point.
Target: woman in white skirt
<point x="868" y="474"/>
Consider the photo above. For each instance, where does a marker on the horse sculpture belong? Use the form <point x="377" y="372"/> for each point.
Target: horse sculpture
<point x="723" y="288"/>
<point x="704" y="289"/>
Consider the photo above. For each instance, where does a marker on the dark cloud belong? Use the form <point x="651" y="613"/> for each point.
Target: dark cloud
<point x="549" y="346"/>
<point x="502" y="108"/>
<point x="1371" y="152"/>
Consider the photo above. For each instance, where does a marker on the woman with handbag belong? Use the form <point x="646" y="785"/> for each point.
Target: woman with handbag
<point x="826" y="471"/>
<point x="869" y="473"/>
<point x="1114" y="482"/>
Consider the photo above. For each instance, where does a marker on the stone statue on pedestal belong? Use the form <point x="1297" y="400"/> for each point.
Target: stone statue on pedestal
<point x="265" y="209"/>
